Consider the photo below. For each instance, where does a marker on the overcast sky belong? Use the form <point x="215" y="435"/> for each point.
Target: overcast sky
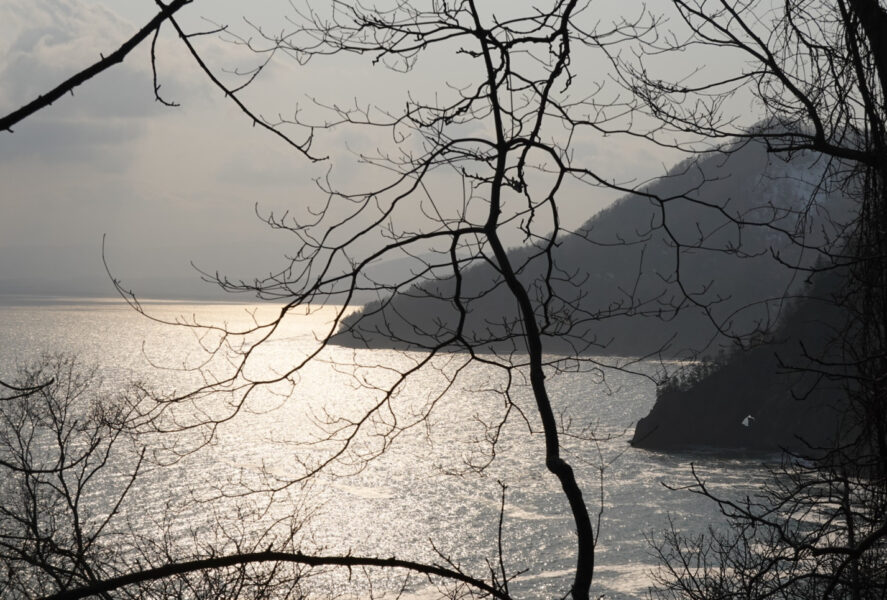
<point x="168" y="186"/>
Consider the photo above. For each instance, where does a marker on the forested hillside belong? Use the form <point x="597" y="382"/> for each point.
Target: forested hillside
<point x="771" y="397"/>
<point x="704" y="253"/>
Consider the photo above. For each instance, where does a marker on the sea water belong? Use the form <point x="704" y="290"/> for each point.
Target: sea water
<point x="422" y="478"/>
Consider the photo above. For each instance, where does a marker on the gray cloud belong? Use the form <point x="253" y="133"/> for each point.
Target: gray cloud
<point x="50" y="41"/>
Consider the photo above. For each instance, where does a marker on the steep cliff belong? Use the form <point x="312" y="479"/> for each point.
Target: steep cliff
<point x="769" y="398"/>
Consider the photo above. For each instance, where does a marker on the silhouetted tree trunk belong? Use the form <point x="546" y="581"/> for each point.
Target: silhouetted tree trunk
<point x="497" y="140"/>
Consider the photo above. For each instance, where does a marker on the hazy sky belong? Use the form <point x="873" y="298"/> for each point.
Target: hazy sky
<point x="172" y="185"/>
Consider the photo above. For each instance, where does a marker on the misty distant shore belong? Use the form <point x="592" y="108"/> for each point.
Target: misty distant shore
<point x="61" y="300"/>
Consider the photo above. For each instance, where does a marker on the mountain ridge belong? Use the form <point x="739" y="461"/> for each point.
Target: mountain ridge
<point x="639" y="278"/>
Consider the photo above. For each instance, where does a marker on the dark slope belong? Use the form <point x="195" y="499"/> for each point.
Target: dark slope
<point x="777" y="384"/>
<point x="620" y="285"/>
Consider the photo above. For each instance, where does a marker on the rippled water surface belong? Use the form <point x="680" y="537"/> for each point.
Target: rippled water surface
<point x="425" y="487"/>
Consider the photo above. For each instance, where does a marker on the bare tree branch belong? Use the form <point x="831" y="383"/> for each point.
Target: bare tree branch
<point x="44" y="100"/>
<point x="185" y="567"/>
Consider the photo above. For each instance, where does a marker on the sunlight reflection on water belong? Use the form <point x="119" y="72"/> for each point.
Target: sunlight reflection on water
<point x="409" y="496"/>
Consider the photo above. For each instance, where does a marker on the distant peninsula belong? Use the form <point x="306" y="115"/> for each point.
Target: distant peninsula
<point x="619" y="285"/>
